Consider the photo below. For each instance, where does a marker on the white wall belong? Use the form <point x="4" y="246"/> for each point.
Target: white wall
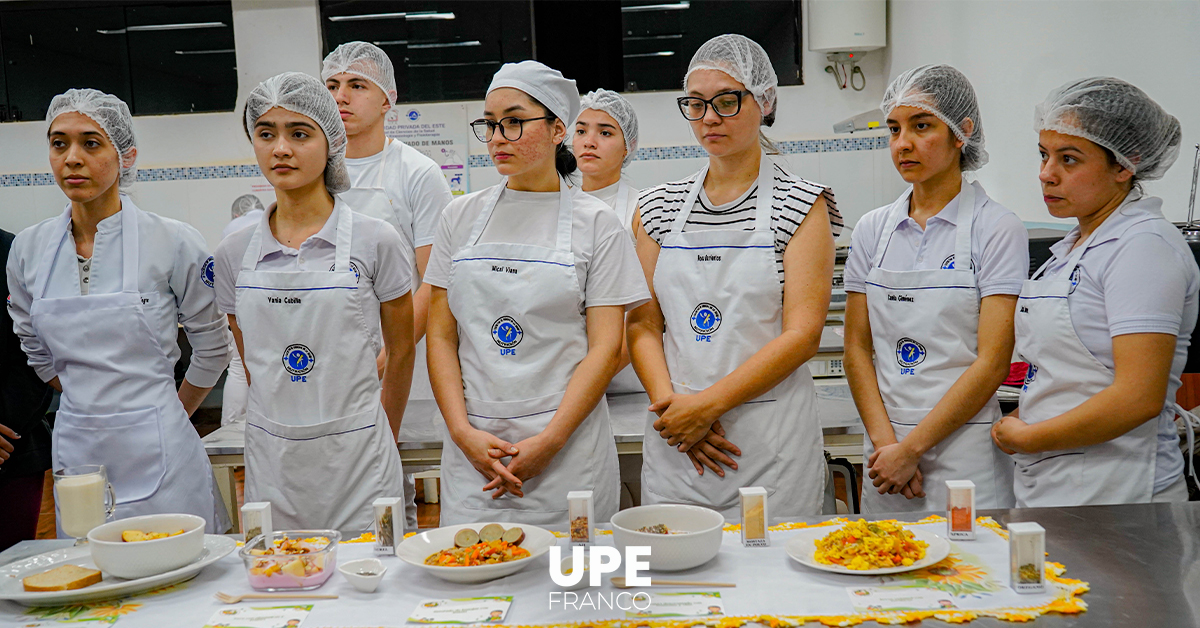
<point x="1016" y="52"/>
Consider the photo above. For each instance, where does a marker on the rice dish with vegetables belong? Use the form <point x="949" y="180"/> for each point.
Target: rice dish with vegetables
<point x="860" y="545"/>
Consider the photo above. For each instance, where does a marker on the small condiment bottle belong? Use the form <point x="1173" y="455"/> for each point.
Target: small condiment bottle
<point x="960" y="509"/>
<point x="1027" y="557"/>
<point x="580" y="515"/>
<point x="754" y="516"/>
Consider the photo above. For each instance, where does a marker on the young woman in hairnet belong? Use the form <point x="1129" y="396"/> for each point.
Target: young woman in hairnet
<point x="98" y="293"/>
<point x="308" y="291"/>
<point x="1105" y="323"/>
<point x="740" y="261"/>
<point x="391" y="181"/>
<point x="931" y="281"/>
<point x="531" y="282"/>
<point x="604" y="141"/>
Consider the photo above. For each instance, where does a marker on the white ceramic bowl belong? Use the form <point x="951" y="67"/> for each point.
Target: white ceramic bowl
<point x="356" y="572"/>
<point x="415" y="549"/>
<point x="142" y="559"/>
<point x="697" y="541"/>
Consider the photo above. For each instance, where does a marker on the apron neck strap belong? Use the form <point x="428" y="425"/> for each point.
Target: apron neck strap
<point x="622" y="204"/>
<point x="129" y="244"/>
<point x="387" y="142"/>
<point x="762" y="214"/>
<point x="964" y="220"/>
<point x="345" y="227"/>
<point x="254" y="248"/>
<point x="562" y="238"/>
<point x="129" y="250"/>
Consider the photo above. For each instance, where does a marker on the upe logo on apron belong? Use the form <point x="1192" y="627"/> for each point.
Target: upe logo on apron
<point x="207" y="274"/>
<point x="507" y="334"/>
<point x="1029" y="375"/>
<point x="909" y="353"/>
<point x="299" y="361"/>
<point x="353" y="267"/>
<point x="1074" y="280"/>
<point x="705" y="319"/>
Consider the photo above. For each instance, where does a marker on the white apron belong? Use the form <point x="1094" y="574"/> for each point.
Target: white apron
<point x="925" y="326"/>
<point x="722" y="301"/>
<point x="626" y="380"/>
<point x="318" y="443"/>
<point x="522" y="332"/>
<point x="1062" y="375"/>
<point x="119" y="405"/>
<point x="373" y="201"/>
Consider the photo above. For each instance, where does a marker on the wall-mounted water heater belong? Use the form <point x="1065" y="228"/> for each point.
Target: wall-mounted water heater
<point x="845" y="30"/>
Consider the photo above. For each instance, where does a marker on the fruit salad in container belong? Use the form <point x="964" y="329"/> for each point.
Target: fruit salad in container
<point x="292" y="560"/>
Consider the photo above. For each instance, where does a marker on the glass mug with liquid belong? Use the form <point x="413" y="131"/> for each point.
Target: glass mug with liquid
<point x="84" y="499"/>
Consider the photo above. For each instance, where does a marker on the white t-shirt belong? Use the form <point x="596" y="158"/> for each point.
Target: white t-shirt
<point x="1141" y="281"/>
<point x="379" y="256"/>
<point x="413" y="182"/>
<point x="608" y="194"/>
<point x="608" y="267"/>
<point x="251" y="217"/>
<point x="172" y="257"/>
<point x="999" y="246"/>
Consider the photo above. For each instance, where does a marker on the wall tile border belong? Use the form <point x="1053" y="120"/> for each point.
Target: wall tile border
<point x="654" y="153"/>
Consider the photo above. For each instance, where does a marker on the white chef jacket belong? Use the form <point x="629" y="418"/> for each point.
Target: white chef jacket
<point x="170" y="277"/>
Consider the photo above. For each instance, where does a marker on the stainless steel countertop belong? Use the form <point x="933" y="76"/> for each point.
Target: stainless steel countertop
<point x="1141" y="560"/>
<point x="420" y="430"/>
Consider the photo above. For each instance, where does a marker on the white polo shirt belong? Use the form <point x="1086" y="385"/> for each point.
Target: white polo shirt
<point x="607" y="266"/>
<point x="999" y="245"/>
<point x="1135" y="280"/>
<point x="172" y="279"/>
<point x="379" y="256"/>
<point x="413" y="182"/>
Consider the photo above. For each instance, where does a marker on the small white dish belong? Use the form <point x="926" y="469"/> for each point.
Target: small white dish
<point x="365" y="573"/>
<point x="568" y="563"/>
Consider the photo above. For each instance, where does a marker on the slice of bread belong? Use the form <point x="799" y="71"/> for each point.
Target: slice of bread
<point x="62" y="578"/>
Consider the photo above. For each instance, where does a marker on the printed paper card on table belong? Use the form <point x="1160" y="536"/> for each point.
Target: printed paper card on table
<point x="466" y="610"/>
<point x="695" y="604"/>
<point x="260" y="617"/>
<point x="885" y="599"/>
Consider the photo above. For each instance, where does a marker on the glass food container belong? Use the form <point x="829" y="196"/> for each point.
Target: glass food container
<point x="295" y="560"/>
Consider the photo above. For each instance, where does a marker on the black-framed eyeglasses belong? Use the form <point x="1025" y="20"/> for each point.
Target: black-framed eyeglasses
<point x="511" y="127"/>
<point x="726" y="104"/>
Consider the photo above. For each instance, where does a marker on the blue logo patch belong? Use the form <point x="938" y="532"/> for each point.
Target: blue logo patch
<point x="706" y="318"/>
<point x="207" y="274"/>
<point x="1029" y="375"/>
<point x="298" y="359"/>
<point x="353" y="267"/>
<point x="1074" y="280"/>
<point x="909" y="352"/>
<point x="948" y="263"/>
<point x="413" y="114"/>
<point x="506" y="332"/>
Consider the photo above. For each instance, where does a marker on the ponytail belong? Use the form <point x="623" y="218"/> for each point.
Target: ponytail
<point x="564" y="161"/>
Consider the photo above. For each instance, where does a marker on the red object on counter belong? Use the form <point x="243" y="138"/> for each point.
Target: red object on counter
<point x="1016" y="374"/>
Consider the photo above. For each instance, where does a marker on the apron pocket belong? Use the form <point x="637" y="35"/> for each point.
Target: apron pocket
<point x="128" y="444"/>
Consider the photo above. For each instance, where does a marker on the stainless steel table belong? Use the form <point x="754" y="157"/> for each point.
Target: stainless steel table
<point x="1142" y="561"/>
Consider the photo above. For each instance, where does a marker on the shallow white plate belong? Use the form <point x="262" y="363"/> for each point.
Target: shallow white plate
<point x="415" y="549"/>
<point x="215" y="548"/>
<point x="802" y="547"/>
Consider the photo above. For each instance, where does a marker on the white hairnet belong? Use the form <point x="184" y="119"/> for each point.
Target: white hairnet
<point x="362" y="59"/>
<point x="306" y="95"/>
<point x="947" y="94"/>
<point x="744" y="60"/>
<point x="616" y="106"/>
<point x="244" y="204"/>
<point x="112" y="114"/>
<point x="1118" y="116"/>
<point x="547" y="85"/>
